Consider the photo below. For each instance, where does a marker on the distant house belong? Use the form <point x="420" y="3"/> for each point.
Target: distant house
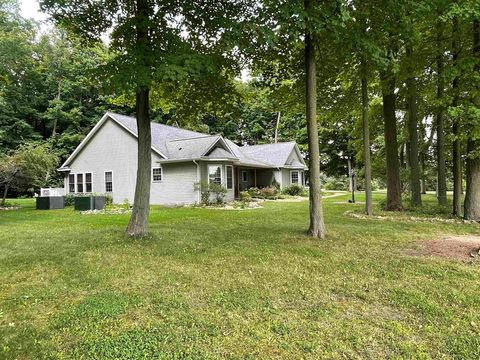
<point x="106" y="162"/>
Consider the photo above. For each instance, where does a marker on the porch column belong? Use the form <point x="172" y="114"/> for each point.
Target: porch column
<point x="255" y="176"/>
<point x="238" y="181"/>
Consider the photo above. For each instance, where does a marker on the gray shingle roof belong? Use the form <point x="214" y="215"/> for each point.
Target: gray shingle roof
<point x="178" y="144"/>
<point x="275" y="154"/>
<point x="192" y="148"/>
<point x="161" y="134"/>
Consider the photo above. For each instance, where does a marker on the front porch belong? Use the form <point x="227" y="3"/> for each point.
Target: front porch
<point x="248" y="177"/>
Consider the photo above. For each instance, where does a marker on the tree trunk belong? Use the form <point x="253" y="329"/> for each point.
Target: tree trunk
<point x="441" y="165"/>
<point x="394" y="192"/>
<point x="366" y="149"/>
<point x="5" y="192"/>
<point x="416" y="197"/>
<point x="472" y="192"/>
<point x="317" y="226"/>
<point x="423" y="185"/>
<point x="456" y="148"/>
<point x="138" y="225"/>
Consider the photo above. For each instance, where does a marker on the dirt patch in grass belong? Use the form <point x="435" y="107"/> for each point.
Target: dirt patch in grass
<point x="454" y="247"/>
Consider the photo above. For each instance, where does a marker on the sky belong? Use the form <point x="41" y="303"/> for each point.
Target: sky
<point x="31" y="9"/>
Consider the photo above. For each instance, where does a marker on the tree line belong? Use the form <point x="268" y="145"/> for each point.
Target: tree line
<point x="392" y="86"/>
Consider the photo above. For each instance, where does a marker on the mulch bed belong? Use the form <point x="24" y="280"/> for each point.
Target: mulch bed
<point x="454" y="247"/>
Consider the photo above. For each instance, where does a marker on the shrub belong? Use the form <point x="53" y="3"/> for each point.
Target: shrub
<point x="268" y="192"/>
<point x="69" y="199"/>
<point x="208" y="189"/>
<point x="204" y="189"/>
<point x="276" y="184"/>
<point x="294" y="190"/>
<point x="219" y="193"/>
<point x="337" y="183"/>
<point x="253" y="191"/>
<point x="245" y="197"/>
<point x="126" y="204"/>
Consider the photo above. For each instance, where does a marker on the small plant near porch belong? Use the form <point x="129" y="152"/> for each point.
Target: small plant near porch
<point x="268" y="192"/>
<point x="210" y="193"/>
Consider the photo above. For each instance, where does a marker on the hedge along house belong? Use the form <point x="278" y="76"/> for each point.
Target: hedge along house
<point x="106" y="162"/>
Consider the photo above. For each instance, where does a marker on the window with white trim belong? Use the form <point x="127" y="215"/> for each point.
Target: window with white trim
<point x="71" y="183"/>
<point x="215" y="174"/>
<point x="229" y="170"/>
<point x="294" y="177"/>
<point x="88" y="182"/>
<point x="79" y="183"/>
<point x="157" y="174"/>
<point x="244" y="176"/>
<point x="108" y="181"/>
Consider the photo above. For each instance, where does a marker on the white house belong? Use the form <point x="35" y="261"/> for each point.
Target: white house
<point x="106" y="162"/>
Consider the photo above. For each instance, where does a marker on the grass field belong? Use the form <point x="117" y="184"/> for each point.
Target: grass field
<point x="248" y="284"/>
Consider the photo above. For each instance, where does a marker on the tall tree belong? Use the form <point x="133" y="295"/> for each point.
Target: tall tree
<point x="440" y="119"/>
<point x="317" y="226"/>
<point x="456" y="145"/>
<point x="472" y="191"/>
<point x="366" y="147"/>
<point x="413" y="149"/>
<point x="394" y="191"/>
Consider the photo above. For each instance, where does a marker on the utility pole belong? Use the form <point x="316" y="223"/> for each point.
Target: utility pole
<point x="276" y="127"/>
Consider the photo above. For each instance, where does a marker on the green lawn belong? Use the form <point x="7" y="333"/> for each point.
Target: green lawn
<point x="231" y="284"/>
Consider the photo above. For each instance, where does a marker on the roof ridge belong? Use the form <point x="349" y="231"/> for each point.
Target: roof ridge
<point x="159" y="124"/>
<point x="194" y="138"/>
<point x="277" y="143"/>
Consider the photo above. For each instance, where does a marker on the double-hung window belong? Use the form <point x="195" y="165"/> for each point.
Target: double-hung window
<point x="108" y="181"/>
<point x="79" y="183"/>
<point x="215" y="174"/>
<point x="229" y="170"/>
<point x="157" y="174"/>
<point x="88" y="182"/>
<point x="71" y="183"/>
<point x="294" y="177"/>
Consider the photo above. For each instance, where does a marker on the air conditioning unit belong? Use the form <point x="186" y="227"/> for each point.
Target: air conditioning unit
<point x="47" y="192"/>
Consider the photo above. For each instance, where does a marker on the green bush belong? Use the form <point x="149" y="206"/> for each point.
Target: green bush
<point x="253" y="191"/>
<point x="207" y="190"/>
<point x="276" y="184"/>
<point x="269" y="192"/>
<point x="336" y="183"/>
<point x="294" y="190"/>
<point x="218" y="192"/>
<point x="245" y="197"/>
<point x="69" y="199"/>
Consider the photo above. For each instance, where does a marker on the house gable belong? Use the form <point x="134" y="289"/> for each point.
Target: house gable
<point x="220" y="149"/>
<point x="295" y="159"/>
<point x="98" y="127"/>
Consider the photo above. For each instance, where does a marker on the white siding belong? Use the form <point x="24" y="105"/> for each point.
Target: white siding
<point x="285" y="177"/>
<point x="177" y="185"/>
<point x="114" y="149"/>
